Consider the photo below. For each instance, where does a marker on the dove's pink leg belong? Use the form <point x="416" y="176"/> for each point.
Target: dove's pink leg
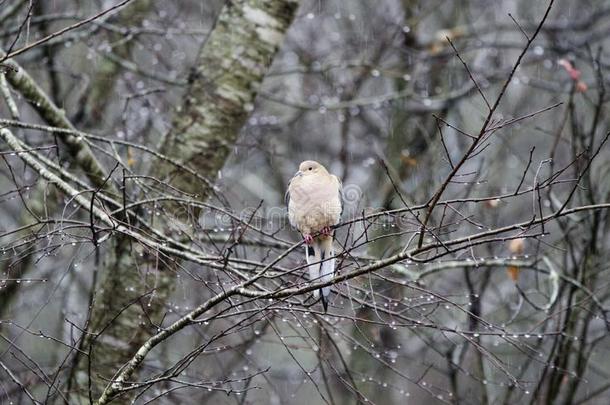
<point x="326" y="231"/>
<point x="308" y="239"/>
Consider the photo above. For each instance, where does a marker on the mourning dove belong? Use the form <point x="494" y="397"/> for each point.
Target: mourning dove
<point x="314" y="206"/>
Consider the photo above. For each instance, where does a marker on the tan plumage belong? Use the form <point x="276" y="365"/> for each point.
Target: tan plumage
<point x="314" y="207"/>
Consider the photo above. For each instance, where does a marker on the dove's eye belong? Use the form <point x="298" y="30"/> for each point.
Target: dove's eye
<point x="311" y="168"/>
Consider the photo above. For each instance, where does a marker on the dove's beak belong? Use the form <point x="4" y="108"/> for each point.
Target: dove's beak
<point x="299" y="173"/>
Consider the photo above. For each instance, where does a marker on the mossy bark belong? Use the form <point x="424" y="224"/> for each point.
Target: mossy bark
<point x="78" y="149"/>
<point x="223" y="85"/>
<point x="229" y="72"/>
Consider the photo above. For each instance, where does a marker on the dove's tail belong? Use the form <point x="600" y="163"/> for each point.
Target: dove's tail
<point x="314" y="269"/>
<point x="323" y="252"/>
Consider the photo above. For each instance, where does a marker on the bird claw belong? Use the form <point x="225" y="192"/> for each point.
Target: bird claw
<point x="327" y="231"/>
<point x="308" y="239"/>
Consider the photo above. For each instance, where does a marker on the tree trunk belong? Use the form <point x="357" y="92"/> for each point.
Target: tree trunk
<point x="223" y="85"/>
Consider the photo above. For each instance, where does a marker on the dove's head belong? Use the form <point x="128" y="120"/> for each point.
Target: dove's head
<point x="309" y="167"/>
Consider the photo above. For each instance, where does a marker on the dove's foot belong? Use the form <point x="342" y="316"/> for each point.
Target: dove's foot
<point x="308" y="239"/>
<point x="327" y="231"/>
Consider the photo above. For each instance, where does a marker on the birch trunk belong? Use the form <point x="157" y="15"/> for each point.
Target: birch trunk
<point x="229" y="71"/>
